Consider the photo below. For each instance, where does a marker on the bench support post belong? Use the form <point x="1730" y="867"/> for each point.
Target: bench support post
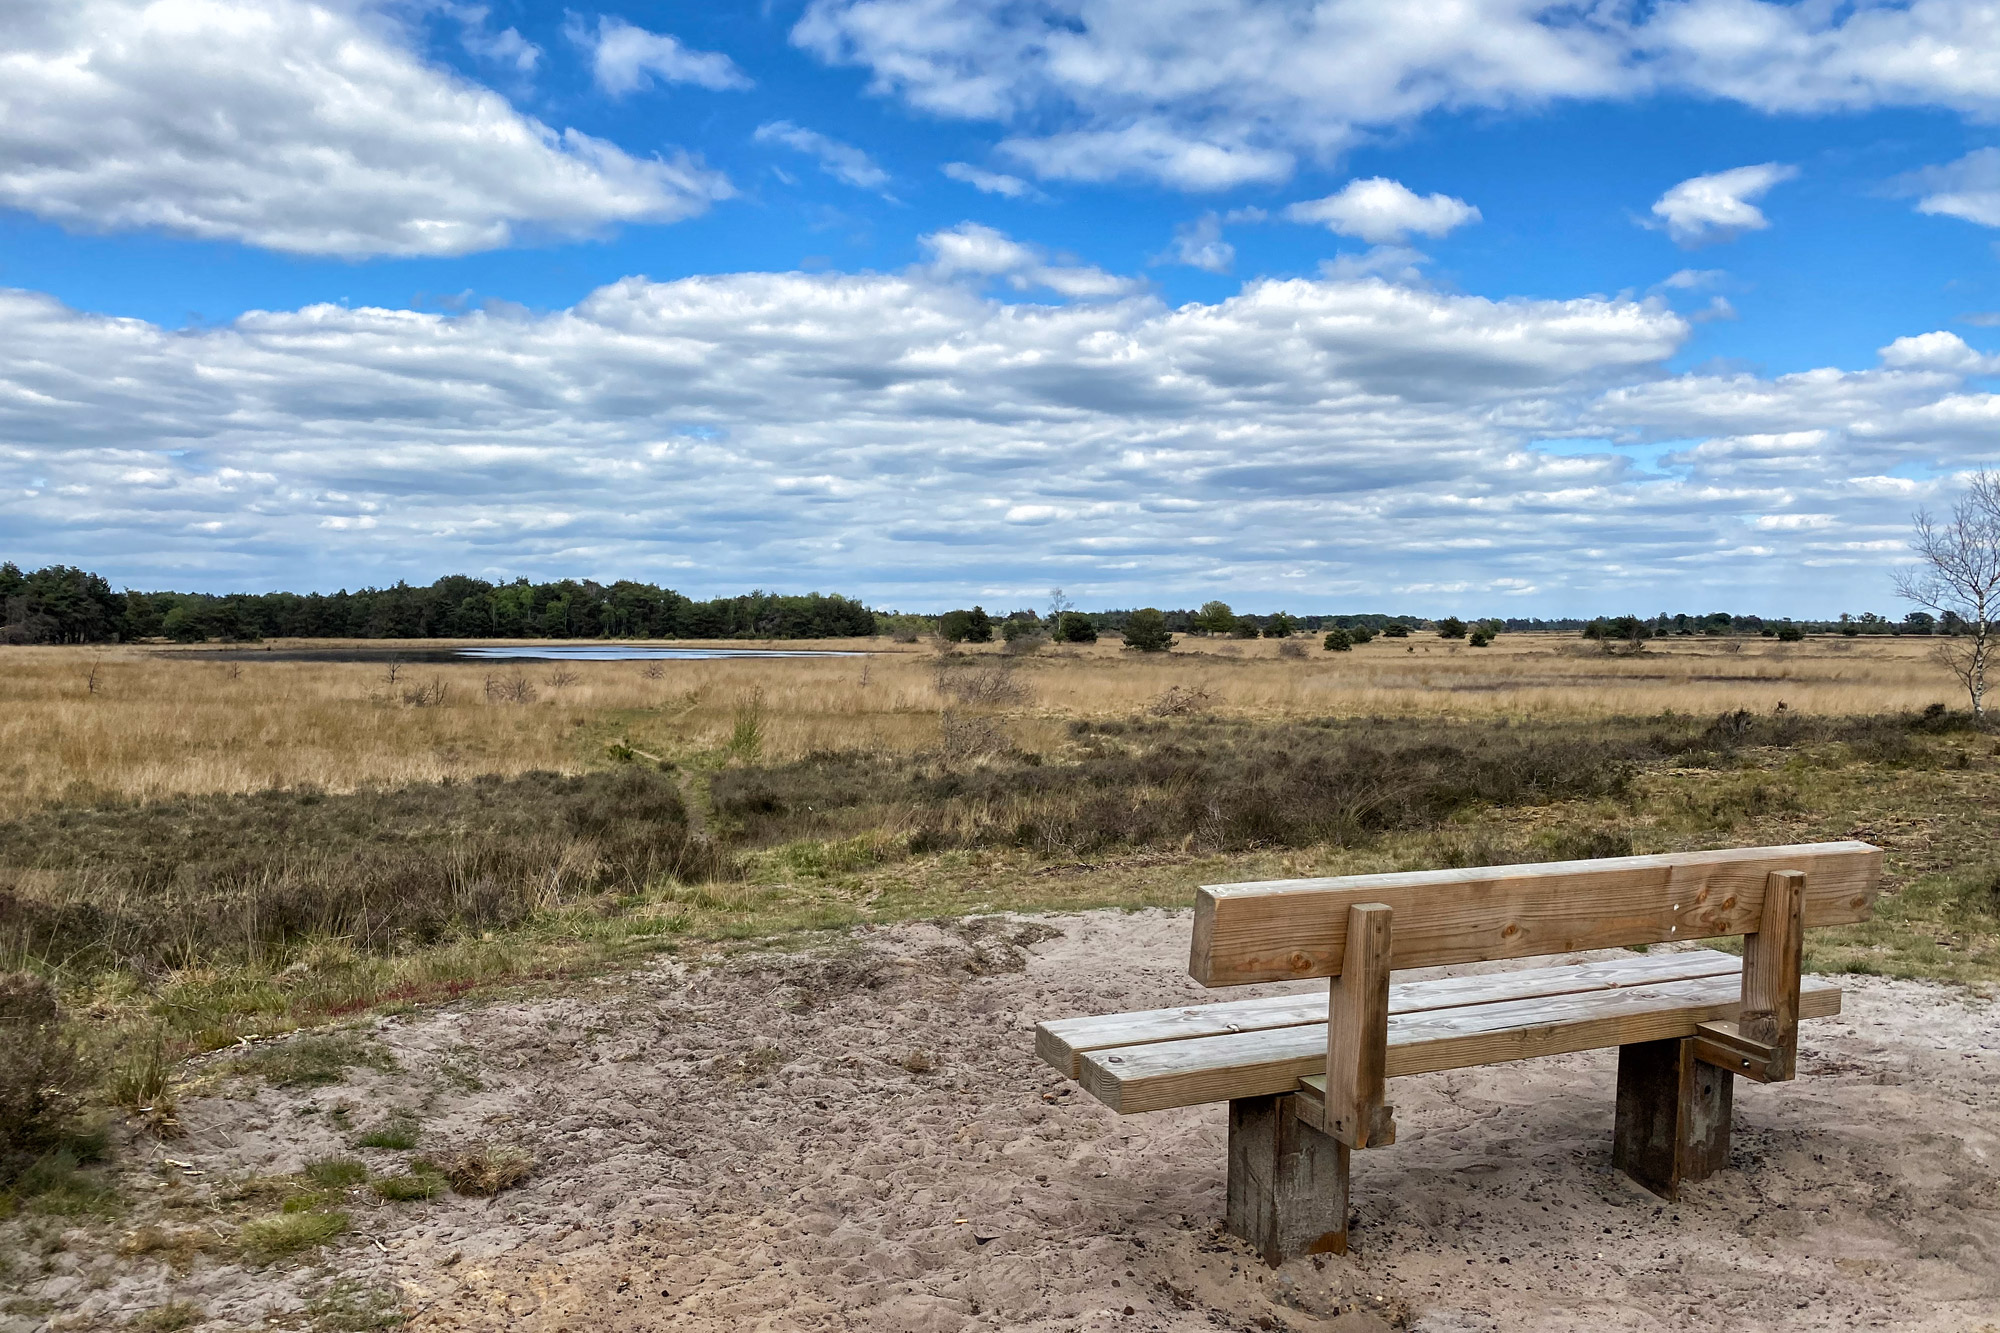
<point x="1357" y="1033"/>
<point x="1673" y="1115"/>
<point x="1287" y="1181"/>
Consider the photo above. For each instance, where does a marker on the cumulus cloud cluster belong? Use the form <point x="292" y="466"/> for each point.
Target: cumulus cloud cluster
<point x="317" y="130"/>
<point x="915" y="437"/>
<point x="1208" y="94"/>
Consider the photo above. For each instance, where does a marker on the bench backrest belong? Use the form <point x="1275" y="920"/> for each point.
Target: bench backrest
<point x="1287" y="930"/>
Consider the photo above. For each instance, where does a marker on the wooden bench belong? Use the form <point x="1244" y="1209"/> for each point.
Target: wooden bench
<point x="1304" y="1075"/>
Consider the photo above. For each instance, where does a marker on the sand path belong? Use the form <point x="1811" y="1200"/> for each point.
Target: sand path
<point x="858" y="1137"/>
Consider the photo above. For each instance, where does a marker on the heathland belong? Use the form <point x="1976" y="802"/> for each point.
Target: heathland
<point x="203" y="846"/>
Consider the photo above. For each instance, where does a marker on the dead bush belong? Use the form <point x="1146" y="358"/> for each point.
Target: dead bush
<point x="430" y="694"/>
<point x="514" y="689"/>
<point x="1181" y="701"/>
<point x="969" y="736"/>
<point x="980" y="686"/>
<point x="1291" y="648"/>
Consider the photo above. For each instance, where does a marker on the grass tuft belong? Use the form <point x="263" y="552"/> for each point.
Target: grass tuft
<point x="399" y="1132"/>
<point x="267" y="1239"/>
<point x="333" y="1173"/>
<point x="482" y="1170"/>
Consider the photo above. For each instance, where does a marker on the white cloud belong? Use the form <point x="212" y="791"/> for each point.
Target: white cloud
<point x="970" y="248"/>
<point x="317" y="130"/>
<point x="1384" y="212"/>
<point x="1968" y="188"/>
<point x="1223" y="92"/>
<point x="907" y="435"/>
<point x="505" y="46"/>
<point x="1199" y="244"/>
<point x="842" y="161"/>
<point x="1718" y="206"/>
<point x="623" y="58"/>
<point x="989" y="182"/>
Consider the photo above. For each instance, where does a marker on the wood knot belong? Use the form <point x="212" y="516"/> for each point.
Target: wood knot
<point x="1301" y="963"/>
<point x="1510" y="932"/>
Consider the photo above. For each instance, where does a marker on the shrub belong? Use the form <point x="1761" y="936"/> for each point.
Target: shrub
<point x="1147" y="631"/>
<point x="1244" y="628"/>
<point x="1359" y="634"/>
<point x="978" y="626"/>
<point x="1292" y="648"/>
<point x="954" y="626"/>
<point x="1451" y="627"/>
<point x="1075" y="627"/>
<point x="1396" y="630"/>
<point x="41" y="1075"/>
<point x="1338" y="641"/>
<point x="1789" y="633"/>
<point x="1481" y="637"/>
<point x="1013" y="629"/>
<point x="1279" y="626"/>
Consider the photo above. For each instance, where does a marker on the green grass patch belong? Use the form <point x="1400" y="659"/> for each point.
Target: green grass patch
<point x="333" y="1173"/>
<point x="422" y="1181"/>
<point x="313" y="1061"/>
<point x="62" y="1183"/>
<point x="267" y="1239"/>
<point x="399" y="1133"/>
<point x="1942" y="926"/>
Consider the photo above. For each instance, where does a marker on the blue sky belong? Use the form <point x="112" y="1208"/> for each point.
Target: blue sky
<point x="1529" y="310"/>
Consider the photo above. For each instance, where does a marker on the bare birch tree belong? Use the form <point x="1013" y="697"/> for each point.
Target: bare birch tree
<point x="1959" y="578"/>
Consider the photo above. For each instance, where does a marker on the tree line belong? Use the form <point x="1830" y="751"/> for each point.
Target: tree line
<point x="64" y="604"/>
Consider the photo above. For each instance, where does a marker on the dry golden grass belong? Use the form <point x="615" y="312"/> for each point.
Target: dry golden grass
<point x="167" y="722"/>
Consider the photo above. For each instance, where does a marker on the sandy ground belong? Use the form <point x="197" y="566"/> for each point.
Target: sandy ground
<point x="859" y="1137"/>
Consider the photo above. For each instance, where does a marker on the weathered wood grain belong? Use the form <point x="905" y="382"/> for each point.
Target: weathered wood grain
<point x="1062" y="1042"/>
<point x="1287" y="1187"/>
<point x="1158" y="1075"/>
<point x="1357" y="1033"/>
<point x="1673" y="1116"/>
<point x="1771" y="962"/>
<point x="1294" y="929"/>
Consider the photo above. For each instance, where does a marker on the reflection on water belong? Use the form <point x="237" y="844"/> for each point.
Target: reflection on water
<point x="632" y="652"/>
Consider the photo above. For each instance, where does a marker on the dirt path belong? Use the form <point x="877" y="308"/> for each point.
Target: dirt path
<point x="859" y="1138"/>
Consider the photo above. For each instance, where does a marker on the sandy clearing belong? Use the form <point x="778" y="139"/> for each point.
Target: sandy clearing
<point x="859" y="1137"/>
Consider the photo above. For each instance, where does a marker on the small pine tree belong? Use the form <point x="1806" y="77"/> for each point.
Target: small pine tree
<point x="1339" y="641"/>
<point x="1359" y="634"/>
<point x="1280" y="626"/>
<point x="978" y="626"/>
<point x="1396" y="630"/>
<point x="1451" y="627"/>
<point x="1481" y="637"/>
<point x="1147" y="631"/>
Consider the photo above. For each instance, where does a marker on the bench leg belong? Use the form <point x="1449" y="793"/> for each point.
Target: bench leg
<point x="1287" y="1181"/>
<point x="1673" y="1115"/>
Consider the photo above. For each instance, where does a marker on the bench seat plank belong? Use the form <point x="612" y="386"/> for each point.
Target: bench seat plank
<point x="1162" y="1074"/>
<point x="1062" y="1042"/>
